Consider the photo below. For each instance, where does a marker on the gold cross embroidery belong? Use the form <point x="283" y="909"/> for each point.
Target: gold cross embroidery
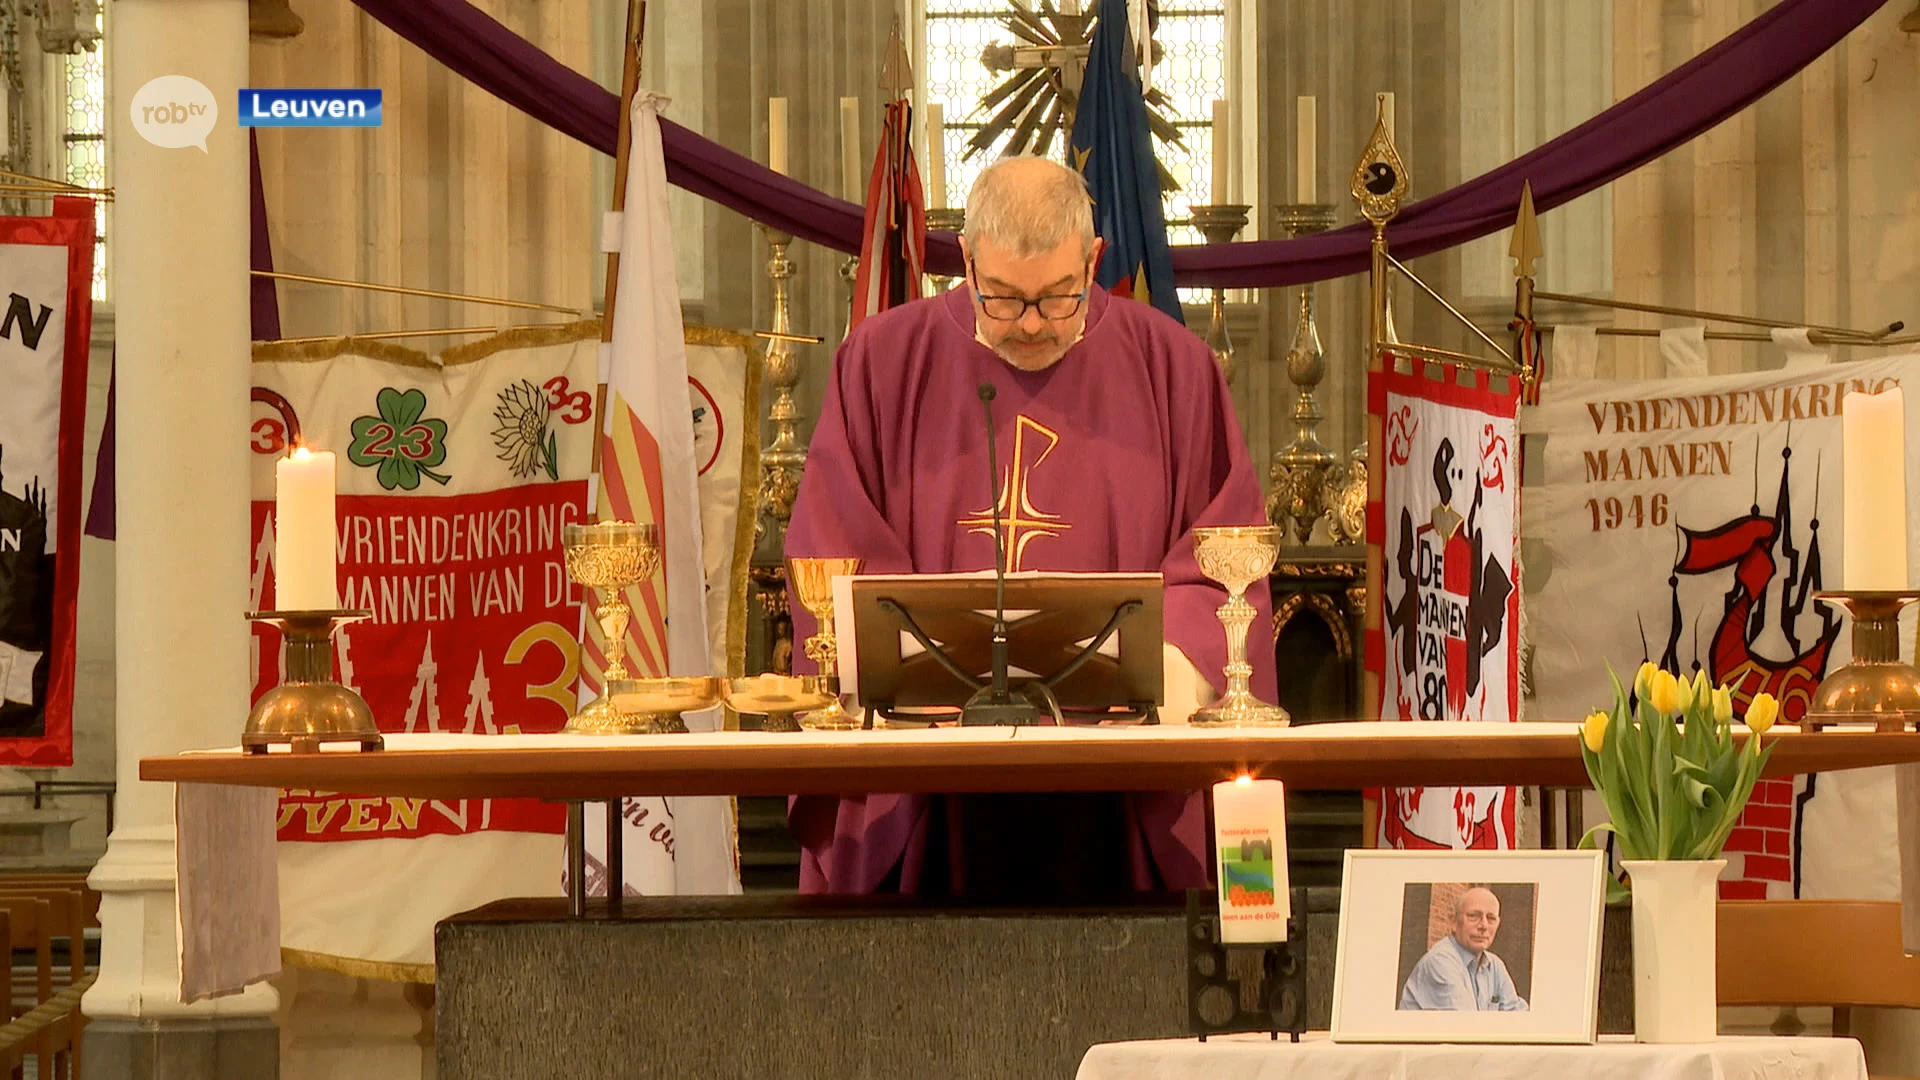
<point x="1020" y="520"/>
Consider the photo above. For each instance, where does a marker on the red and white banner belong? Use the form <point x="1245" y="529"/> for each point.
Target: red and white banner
<point x="46" y="320"/>
<point x="1447" y="648"/>
<point x="457" y="474"/>
<point x="1689" y="521"/>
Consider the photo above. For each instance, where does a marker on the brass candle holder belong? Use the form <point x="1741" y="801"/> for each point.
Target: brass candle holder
<point x="813" y="584"/>
<point x="782" y="458"/>
<point x="610" y="557"/>
<point x="1306" y="476"/>
<point x="1875" y="686"/>
<point x="1220" y="224"/>
<point x="308" y="708"/>
<point x="951" y="219"/>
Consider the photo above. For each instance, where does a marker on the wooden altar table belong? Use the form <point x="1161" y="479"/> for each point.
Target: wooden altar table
<point x="1134" y="758"/>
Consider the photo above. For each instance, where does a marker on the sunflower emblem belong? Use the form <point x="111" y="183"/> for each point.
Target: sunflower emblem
<point x="525" y="443"/>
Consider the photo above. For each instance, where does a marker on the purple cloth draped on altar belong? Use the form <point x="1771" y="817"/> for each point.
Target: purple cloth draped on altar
<point x="266" y="326"/>
<point x="1685" y="102"/>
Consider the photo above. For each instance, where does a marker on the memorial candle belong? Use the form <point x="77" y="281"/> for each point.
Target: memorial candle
<point x="1873" y="472"/>
<point x="777" y="135"/>
<point x="303" y="531"/>
<point x="1250" y="834"/>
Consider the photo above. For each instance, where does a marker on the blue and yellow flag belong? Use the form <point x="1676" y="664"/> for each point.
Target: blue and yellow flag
<point x="1113" y="148"/>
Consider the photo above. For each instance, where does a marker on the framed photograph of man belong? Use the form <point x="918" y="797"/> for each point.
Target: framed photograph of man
<point x="1455" y="946"/>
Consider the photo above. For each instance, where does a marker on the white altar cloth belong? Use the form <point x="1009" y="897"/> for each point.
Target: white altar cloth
<point x="1254" y="1057"/>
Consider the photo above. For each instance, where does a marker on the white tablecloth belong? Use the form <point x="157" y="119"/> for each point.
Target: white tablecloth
<point x="1253" y="1057"/>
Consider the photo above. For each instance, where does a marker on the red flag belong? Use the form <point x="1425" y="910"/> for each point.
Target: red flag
<point x="893" y="246"/>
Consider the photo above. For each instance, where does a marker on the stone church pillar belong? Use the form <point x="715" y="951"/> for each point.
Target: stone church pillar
<point x="180" y="254"/>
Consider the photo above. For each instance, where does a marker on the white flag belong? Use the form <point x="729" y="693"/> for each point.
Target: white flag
<point x="648" y="473"/>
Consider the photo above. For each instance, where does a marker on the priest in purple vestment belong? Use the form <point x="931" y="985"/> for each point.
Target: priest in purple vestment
<point x="1117" y="438"/>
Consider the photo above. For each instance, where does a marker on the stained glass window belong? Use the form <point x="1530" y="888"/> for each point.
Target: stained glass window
<point x="83" y="145"/>
<point x="1192" y="72"/>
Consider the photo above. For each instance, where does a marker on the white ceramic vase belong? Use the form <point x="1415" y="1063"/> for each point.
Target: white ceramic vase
<point x="1674" y="912"/>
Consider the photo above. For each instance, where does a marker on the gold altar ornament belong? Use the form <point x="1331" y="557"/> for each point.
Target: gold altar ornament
<point x="779" y="697"/>
<point x="610" y="557"/>
<point x="1236" y="556"/>
<point x="813" y="583"/>
<point x="308" y="708"/>
<point x="653" y="706"/>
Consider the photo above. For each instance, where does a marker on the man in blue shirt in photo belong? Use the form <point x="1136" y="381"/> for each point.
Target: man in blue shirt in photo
<point x="1458" y="973"/>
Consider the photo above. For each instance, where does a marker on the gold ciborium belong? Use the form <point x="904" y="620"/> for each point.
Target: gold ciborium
<point x="611" y="557"/>
<point x="652" y="706"/>
<point x="813" y="583"/>
<point x="779" y="697"/>
<point x="1237" y="556"/>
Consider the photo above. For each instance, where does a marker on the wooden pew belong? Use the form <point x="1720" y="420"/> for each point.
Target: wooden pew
<point x="1839" y="953"/>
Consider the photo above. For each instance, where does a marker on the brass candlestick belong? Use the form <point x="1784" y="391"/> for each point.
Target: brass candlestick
<point x="813" y="584"/>
<point x="1306" y="475"/>
<point x="1237" y="556"/>
<point x="783" y="458"/>
<point x="951" y="219"/>
<point x="610" y="557"/>
<point x="308" y="708"/>
<point x="1220" y="224"/>
<point x="1876" y="686"/>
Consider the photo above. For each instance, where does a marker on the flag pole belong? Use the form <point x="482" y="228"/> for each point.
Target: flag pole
<point x="616" y="875"/>
<point x="622" y="156"/>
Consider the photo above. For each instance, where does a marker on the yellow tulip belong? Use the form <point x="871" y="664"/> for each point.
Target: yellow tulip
<point x="1663" y="692"/>
<point x="1762" y="711"/>
<point x="1701" y="693"/>
<point x="1722" y="705"/>
<point x="1594" y="731"/>
<point x="1643" y="678"/>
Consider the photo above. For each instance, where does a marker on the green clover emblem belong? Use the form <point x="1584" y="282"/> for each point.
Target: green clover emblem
<point x="404" y="446"/>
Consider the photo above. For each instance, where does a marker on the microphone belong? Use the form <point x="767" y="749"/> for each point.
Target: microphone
<point x="993" y="704"/>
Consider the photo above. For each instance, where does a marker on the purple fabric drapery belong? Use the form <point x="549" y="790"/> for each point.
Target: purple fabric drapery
<point x="266" y="326"/>
<point x="1682" y="104"/>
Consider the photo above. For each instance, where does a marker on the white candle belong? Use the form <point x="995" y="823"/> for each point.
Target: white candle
<point x="850" y="149"/>
<point x="1305" y="143"/>
<point x="303" y="532"/>
<point x="1222" y="154"/>
<point x="1383" y="108"/>
<point x="1250" y="837"/>
<point x="777" y="135"/>
<point x="936" y="156"/>
<point x="1874" y="490"/>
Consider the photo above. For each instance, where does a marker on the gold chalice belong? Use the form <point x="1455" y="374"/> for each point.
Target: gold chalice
<point x="652" y="706"/>
<point x="813" y="583"/>
<point x="1237" y="556"/>
<point x="610" y="556"/>
<point x="778" y="698"/>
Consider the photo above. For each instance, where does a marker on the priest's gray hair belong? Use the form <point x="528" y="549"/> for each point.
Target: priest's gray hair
<point x="1030" y="206"/>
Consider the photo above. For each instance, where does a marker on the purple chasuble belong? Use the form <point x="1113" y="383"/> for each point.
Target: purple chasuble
<point x="1107" y="460"/>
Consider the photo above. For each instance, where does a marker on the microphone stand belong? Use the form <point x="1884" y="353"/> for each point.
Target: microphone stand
<point x="994" y="703"/>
